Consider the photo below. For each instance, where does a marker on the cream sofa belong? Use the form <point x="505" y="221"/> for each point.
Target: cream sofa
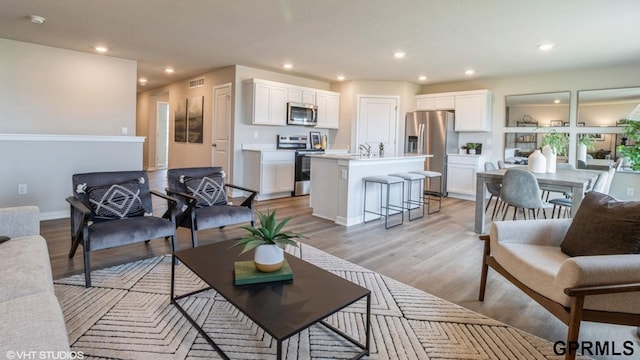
<point x="600" y="288"/>
<point x="30" y="316"/>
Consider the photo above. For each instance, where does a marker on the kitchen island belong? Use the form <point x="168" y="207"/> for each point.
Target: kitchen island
<point x="337" y="190"/>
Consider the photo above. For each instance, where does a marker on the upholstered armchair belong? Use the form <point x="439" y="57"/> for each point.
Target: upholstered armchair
<point x="110" y="209"/>
<point x="202" y="200"/>
<point x="582" y="269"/>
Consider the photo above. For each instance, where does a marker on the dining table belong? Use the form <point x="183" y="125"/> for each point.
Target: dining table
<point x="573" y="181"/>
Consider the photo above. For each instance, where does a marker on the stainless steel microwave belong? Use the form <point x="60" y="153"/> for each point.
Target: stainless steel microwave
<point x="302" y="114"/>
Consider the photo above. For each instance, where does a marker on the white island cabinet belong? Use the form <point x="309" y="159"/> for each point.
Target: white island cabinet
<point x="337" y="189"/>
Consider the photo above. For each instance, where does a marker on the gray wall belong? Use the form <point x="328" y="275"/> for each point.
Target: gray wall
<point x="73" y="107"/>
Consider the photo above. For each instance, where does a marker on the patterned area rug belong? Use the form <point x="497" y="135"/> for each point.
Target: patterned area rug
<point x="127" y="315"/>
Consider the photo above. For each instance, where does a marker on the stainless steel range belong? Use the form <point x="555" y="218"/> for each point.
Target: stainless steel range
<point x="302" y="170"/>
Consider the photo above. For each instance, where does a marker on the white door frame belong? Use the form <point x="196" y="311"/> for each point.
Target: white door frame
<point x="356" y="143"/>
<point x="164" y="133"/>
<point x="214" y="128"/>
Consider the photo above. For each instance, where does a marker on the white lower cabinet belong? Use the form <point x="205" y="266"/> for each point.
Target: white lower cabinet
<point x="271" y="172"/>
<point x="461" y="175"/>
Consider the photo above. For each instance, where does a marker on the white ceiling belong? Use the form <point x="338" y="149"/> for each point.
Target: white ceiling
<point x="325" y="38"/>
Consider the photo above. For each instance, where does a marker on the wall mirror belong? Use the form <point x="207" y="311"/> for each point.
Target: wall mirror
<point x="606" y="107"/>
<point x="538" y="110"/>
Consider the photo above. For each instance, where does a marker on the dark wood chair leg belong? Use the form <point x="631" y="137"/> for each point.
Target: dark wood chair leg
<point x="74" y="247"/>
<point x="87" y="267"/>
<point x="575" y="317"/>
<point x="485" y="267"/>
<point x="194" y="237"/>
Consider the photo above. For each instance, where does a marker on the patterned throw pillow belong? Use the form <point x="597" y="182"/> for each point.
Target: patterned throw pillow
<point x="208" y="190"/>
<point x="116" y="201"/>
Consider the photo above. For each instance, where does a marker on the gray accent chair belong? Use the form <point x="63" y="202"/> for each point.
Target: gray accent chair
<point x="102" y="213"/>
<point x="204" y="205"/>
<point x="520" y="189"/>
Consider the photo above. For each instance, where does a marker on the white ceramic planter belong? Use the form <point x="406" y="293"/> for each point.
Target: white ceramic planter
<point x="537" y="163"/>
<point x="268" y="258"/>
<point x="582" y="152"/>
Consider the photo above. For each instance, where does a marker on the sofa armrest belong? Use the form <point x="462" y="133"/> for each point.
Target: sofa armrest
<point x="547" y="232"/>
<point x="584" y="271"/>
<point x="19" y="221"/>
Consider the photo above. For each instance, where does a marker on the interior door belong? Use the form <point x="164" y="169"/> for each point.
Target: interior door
<point x="162" y="135"/>
<point x="221" y="125"/>
<point x="377" y="123"/>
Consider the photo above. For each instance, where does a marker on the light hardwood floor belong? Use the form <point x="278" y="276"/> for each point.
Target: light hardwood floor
<point x="439" y="254"/>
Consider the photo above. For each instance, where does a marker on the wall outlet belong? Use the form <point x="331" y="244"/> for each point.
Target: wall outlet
<point x="124" y="131"/>
<point x="22" y="189"/>
<point x="630" y="191"/>
<point x="255" y="134"/>
<point x="489" y="141"/>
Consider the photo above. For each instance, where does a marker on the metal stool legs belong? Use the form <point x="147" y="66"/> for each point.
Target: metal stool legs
<point x="409" y="203"/>
<point x="386" y="206"/>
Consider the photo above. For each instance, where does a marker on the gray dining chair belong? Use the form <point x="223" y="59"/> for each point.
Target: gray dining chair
<point x="602" y="185"/>
<point x="494" y="191"/>
<point x="520" y="189"/>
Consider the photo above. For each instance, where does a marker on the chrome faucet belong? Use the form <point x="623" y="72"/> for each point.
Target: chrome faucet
<point x="365" y="148"/>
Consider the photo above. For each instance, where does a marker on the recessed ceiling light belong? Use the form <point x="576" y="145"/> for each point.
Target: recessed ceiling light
<point x="101" y="49"/>
<point x="399" y="54"/>
<point x="288" y="66"/>
<point x="469" y="72"/>
<point x="545" y="47"/>
<point x="340" y="77"/>
<point x="422" y="78"/>
<point x="37" y="19"/>
<point x="169" y="70"/>
<point x="556" y="101"/>
<point x="142" y="81"/>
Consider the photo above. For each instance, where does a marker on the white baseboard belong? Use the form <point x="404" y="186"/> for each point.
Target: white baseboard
<point x="52" y="215"/>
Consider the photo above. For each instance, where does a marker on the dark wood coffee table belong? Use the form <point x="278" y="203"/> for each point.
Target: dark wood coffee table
<point x="282" y="309"/>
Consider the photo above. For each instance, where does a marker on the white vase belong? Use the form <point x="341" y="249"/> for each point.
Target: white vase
<point x="268" y="258"/>
<point x="582" y="152"/>
<point x="472" y="151"/>
<point x="537" y="163"/>
<point x="551" y="157"/>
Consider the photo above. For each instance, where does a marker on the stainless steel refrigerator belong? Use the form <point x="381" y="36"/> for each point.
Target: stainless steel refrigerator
<point x="431" y="132"/>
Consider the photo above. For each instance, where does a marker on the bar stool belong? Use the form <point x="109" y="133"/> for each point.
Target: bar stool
<point x="388" y="181"/>
<point x="429" y="192"/>
<point x="411" y="177"/>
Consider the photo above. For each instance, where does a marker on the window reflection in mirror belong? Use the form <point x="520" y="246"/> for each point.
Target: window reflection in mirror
<point x="600" y="146"/>
<point x="538" y="110"/>
<point x="606" y="107"/>
<point x="519" y="145"/>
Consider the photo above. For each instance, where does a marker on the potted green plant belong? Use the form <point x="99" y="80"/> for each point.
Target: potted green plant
<point x="632" y="152"/>
<point x="472" y="148"/>
<point x="558" y="142"/>
<point x="269" y="240"/>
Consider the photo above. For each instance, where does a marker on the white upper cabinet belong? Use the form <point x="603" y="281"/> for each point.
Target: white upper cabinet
<point x="435" y="102"/>
<point x="301" y="95"/>
<point x="266" y="102"/>
<point x="472" y="108"/>
<point x="473" y="111"/>
<point x="328" y="104"/>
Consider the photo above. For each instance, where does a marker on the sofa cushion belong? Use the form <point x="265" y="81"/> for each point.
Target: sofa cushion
<point x="208" y="190"/>
<point x="32" y="323"/>
<point x="4" y="238"/>
<point x="535" y="266"/>
<point x="26" y="268"/>
<point x="603" y="226"/>
<point x="116" y="201"/>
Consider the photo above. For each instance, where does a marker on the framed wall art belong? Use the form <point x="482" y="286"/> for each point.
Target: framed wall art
<point x="180" y="122"/>
<point x="195" y="120"/>
<point x="314" y="137"/>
